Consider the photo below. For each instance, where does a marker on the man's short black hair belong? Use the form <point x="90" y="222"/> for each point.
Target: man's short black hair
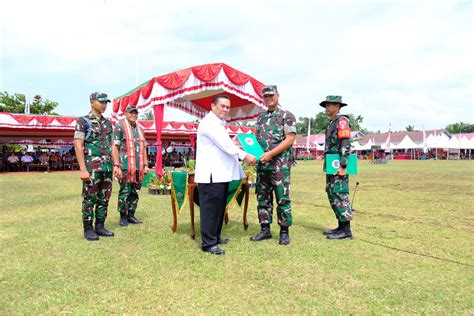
<point x="220" y="96"/>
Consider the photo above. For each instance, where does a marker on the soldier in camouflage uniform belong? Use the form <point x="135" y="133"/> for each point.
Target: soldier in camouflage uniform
<point x="93" y="145"/>
<point x="129" y="155"/>
<point x="338" y="136"/>
<point x="276" y="132"/>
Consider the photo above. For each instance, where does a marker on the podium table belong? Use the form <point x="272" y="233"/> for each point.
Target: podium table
<point x="193" y="191"/>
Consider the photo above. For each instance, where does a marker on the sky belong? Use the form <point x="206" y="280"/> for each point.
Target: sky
<point x="394" y="62"/>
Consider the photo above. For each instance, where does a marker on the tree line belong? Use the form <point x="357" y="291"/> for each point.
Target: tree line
<point x="15" y="103"/>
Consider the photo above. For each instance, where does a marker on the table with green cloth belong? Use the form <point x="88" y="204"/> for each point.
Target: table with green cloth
<point x="183" y="185"/>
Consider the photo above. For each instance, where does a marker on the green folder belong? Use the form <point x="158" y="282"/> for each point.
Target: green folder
<point x="250" y="144"/>
<point x="333" y="162"/>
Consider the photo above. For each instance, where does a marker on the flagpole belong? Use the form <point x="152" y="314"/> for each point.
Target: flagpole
<point x="309" y="133"/>
<point x="136" y="70"/>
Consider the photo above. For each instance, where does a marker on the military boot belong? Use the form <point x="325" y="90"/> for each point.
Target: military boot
<point x="133" y="220"/>
<point x="333" y="231"/>
<point x="123" y="219"/>
<point x="344" y="233"/>
<point x="89" y="233"/>
<point x="284" y="236"/>
<point x="263" y="234"/>
<point x="100" y="229"/>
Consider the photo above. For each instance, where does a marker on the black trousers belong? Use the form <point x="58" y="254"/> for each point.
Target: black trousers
<point x="212" y="200"/>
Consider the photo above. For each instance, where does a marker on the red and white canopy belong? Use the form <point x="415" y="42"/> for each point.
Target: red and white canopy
<point x="59" y="130"/>
<point x="192" y="90"/>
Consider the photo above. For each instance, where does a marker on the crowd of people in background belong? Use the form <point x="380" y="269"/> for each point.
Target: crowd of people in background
<point x="12" y="161"/>
<point x="15" y="161"/>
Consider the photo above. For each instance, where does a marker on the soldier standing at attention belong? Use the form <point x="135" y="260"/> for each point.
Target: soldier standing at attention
<point x="93" y="145"/>
<point x="276" y="132"/>
<point x="338" y="134"/>
<point x="129" y="155"/>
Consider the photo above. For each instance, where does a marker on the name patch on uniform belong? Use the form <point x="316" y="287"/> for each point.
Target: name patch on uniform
<point x="343" y="129"/>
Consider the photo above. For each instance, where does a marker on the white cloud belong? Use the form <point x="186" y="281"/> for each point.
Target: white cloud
<point x="400" y="61"/>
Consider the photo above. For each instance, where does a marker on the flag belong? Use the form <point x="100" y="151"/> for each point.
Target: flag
<point x="425" y="148"/>
<point x="27" y="105"/>
<point x="309" y="133"/>
<point x="387" y="143"/>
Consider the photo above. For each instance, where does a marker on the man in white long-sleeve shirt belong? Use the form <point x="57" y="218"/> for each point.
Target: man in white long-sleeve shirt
<point x="216" y="165"/>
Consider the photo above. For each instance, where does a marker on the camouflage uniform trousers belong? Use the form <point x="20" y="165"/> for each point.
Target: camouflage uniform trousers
<point x="337" y="188"/>
<point x="269" y="181"/>
<point x="128" y="197"/>
<point x="96" y="192"/>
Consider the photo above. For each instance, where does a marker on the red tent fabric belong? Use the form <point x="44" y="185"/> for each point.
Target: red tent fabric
<point x="192" y="90"/>
<point x="59" y="130"/>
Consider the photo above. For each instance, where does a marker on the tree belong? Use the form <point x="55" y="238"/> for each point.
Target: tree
<point x="322" y="121"/>
<point x="148" y="115"/>
<point x="457" y="128"/>
<point x="410" y="128"/>
<point x="15" y="103"/>
<point x="302" y="126"/>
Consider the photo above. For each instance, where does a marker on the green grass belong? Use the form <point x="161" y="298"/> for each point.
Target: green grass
<point x="412" y="251"/>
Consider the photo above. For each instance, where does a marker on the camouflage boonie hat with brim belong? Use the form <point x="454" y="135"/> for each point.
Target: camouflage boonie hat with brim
<point x="99" y="96"/>
<point x="333" y="99"/>
<point x="270" y="89"/>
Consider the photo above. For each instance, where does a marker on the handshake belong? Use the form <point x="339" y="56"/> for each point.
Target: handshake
<point x="250" y="159"/>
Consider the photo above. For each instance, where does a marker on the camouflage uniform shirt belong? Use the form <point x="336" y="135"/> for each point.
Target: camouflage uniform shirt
<point x="338" y="141"/>
<point x="271" y="130"/>
<point x="119" y="139"/>
<point x="97" y="136"/>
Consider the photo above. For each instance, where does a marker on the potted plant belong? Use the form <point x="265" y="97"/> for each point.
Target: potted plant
<point x="160" y="186"/>
<point x="251" y="173"/>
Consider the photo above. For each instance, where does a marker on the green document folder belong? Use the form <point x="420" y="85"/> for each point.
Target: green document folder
<point x="333" y="162"/>
<point x="250" y="144"/>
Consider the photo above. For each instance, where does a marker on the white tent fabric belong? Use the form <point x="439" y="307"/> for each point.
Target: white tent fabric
<point x="431" y="141"/>
<point x="470" y="143"/>
<point x="406" y="143"/>
<point x="368" y="145"/>
<point x="442" y="141"/>
<point x="356" y="146"/>
<point x="454" y="143"/>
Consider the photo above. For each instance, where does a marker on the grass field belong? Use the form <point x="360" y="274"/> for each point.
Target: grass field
<point x="412" y="252"/>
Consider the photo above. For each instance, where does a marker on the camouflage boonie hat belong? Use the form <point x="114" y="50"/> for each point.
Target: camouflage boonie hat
<point x="333" y="99"/>
<point x="131" y="108"/>
<point x="270" y="89"/>
<point x="99" y="96"/>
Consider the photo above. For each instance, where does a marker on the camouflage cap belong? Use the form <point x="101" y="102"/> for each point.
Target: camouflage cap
<point x="99" y="96"/>
<point x="333" y="99"/>
<point x="270" y="89"/>
<point x="131" y="108"/>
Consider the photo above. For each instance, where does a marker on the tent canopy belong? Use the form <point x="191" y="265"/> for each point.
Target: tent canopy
<point x="59" y="130"/>
<point x="192" y="90"/>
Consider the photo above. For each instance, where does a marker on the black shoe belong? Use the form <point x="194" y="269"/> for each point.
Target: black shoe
<point x="223" y="241"/>
<point x="333" y="231"/>
<point x="101" y="231"/>
<point x="214" y="250"/>
<point x="330" y="231"/>
<point x="265" y="233"/>
<point x="123" y="220"/>
<point x="133" y="220"/>
<point x="344" y="232"/>
<point x="284" y="237"/>
<point x="340" y="235"/>
<point x="89" y="233"/>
